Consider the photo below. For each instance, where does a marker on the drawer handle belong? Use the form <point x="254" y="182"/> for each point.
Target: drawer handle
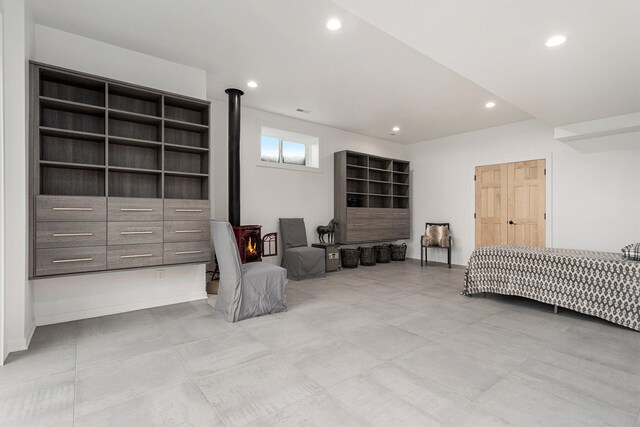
<point x="58" y="261"/>
<point x="188" y="252"/>
<point x="72" y="209"/>
<point x="136" y="256"/>
<point x="71" y="234"/>
<point x="136" y="210"/>
<point x="124" y="233"/>
<point x="188" y="210"/>
<point x="188" y="231"/>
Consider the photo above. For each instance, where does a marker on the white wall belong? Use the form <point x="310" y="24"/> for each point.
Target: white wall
<point x="269" y="193"/>
<point x="592" y="198"/>
<point x="70" y="298"/>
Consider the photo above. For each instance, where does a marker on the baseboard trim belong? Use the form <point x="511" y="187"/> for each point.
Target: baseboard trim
<point x="21" y="344"/>
<point x="70" y="316"/>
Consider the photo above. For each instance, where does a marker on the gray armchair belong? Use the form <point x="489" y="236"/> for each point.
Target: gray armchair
<point x="247" y="290"/>
<point x="300" y="260"/>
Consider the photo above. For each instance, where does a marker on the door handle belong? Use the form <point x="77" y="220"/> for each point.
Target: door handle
<point x="511" y="223"/>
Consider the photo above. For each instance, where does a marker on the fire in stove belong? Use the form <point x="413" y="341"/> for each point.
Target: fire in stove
<point x="252" y="247"/>
<point x="249" y="238"/>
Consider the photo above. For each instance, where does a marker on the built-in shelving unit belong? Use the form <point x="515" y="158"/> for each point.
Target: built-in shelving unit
<point x="96" y="137"/>
<point x="371" y="197"/>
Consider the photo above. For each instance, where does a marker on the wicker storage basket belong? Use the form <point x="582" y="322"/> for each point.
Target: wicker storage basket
<point x="398" y="252"/>
<point x="367" y="256"/>
<point x="383" y="253"/>
<point x="349" y="257"/>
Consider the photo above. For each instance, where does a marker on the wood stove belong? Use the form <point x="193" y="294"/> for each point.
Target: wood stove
<point x="249" y="238"/>
<point x="252" y="246"/>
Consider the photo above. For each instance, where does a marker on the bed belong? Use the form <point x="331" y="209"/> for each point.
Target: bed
<point x="600" y="284"/>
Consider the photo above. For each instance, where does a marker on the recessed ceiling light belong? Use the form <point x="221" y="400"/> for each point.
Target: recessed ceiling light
<point x="252" y="84"/>
<point x="334" y="24"/>
<point x="490" y="104"/>
<point x="555" y="41"/>
<point x="396" y="129"/>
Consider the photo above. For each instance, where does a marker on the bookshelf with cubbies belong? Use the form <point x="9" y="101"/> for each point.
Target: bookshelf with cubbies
<point x="372" y="198"/>
<point x="93" y="137"/>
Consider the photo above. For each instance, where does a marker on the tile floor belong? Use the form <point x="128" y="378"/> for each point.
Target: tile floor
<point x="388" y="345"/>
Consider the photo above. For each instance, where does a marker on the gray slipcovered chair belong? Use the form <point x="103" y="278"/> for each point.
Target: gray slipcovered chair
<point x="247" y="290"/>
<point x="300" y="260"/>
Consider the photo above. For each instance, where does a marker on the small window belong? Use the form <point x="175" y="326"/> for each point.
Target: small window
<point x="286" y="149"/>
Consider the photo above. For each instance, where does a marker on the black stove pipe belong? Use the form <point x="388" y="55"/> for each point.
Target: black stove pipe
<point x="234" y="155"/>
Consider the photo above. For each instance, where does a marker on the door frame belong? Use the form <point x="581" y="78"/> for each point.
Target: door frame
<point x="548" y="157"/>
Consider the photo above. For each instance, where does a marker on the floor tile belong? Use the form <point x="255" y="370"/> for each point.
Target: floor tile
<point x="182" y="404"/>
<point x="505" y="347"/>
<point x="384" y="341"/>
<point x="458" y="372"/>
<point x="370" y="402"/>
<point x="428" y="397"/>
<point x="221" y="351"/>
<point x="256" y="389"/>
<point x="109" y="384"/>
<point x="46" y="401"/>
<point x="328" y="363"/>
<point x="320" y="410"/>
<point x="526" y="401"/>
<point x="600" y="382"/>
<point x="38" y="363"/>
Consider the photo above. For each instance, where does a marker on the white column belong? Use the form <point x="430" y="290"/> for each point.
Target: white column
<point x="3" y="349"/>
<point x="18" y="303"/>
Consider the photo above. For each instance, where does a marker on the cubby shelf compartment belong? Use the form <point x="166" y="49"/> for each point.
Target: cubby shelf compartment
<point x="73" y="121"/>
<point x="186" y="111"/>
<point x="185" y="186"/>
<point x="137" y="101"/>
<point x="73" y="88"/>
<point x="72" y="149"/>
<point x="196" y="164"/>
<point x="135" y="156"/>
<point x="130" y="182"/>
<point x="134" y="130"/>
<point x="71" y="180"/>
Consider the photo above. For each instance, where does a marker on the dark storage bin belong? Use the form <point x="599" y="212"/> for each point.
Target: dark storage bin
<point x="349" y="257"/>
<point x="398" y="252"/>
<point x="367" y="256"/>
<point x="383" y="253"/>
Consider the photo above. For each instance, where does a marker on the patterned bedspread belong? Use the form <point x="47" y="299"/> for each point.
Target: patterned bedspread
<point x="600" y="284"/>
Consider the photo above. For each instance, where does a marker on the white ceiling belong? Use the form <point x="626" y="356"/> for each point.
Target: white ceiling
<point x="499" y="44"/>
<point x="403" y="65"/>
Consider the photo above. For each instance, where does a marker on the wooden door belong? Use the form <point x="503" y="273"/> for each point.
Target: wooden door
<point x="527" y="200"/>
<point x="491" y="205"/>
<point x="511" y="204"/>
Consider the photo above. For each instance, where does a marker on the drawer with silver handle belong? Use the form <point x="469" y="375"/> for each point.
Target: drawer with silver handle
<point x="71" y="208"/>
<point x="187" y="252"/>
<point x="187" y="210"/>
<point x="126" y="256"/>
<point x="70" y="234"/>
<point x="70" y="260"/>
<point x="134" y="232"/>
<point x="186" y="231"/>
<point x="134" y="209"/>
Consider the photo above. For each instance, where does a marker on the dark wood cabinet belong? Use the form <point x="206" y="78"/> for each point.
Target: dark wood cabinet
<point x="372" y="196"/>
<point x="110" y="162"/>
